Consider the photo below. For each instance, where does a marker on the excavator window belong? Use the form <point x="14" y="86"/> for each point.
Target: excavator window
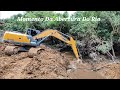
<point x="28" y="32"/>
<point x="32" y="32"/>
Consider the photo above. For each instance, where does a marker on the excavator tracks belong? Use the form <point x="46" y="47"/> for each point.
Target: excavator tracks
<point x="10" y="50"/>
<point x="34" y="51"/>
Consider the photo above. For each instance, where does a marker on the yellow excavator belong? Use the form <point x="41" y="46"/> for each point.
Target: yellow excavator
<point x="32" y="39"/>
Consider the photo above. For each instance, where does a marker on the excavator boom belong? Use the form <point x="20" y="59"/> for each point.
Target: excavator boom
<point x="58" y="35"/>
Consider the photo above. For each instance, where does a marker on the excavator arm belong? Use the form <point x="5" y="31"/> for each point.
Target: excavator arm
<point x="60" y="36"/>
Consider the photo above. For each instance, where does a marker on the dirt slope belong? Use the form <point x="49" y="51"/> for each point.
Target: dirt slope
<point x="50" y="64"/>
<point x="110" y="71"/>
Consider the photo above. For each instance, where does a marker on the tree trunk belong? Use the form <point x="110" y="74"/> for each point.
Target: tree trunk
<point x="109" y="54"/>
<point x="112" y="45"/>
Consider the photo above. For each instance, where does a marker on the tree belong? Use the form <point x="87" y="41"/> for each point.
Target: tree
<point x="84" y="27"/>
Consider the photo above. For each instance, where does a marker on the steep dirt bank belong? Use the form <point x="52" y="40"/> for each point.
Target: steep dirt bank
<point x="51" y="64"/>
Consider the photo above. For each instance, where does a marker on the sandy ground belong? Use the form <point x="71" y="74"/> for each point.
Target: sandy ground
<point x="51" y="64"/>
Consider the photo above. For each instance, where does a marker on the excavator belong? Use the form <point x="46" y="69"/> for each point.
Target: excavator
<point x="32" y="39"/>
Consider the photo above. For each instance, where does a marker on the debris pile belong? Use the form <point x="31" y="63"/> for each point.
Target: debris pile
<point x="52" y="64"/>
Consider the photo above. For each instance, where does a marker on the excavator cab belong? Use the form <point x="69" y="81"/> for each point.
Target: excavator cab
<point x="32" y="32"/>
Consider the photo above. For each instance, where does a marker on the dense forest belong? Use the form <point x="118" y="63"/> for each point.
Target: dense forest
<point x="102" y="36"/>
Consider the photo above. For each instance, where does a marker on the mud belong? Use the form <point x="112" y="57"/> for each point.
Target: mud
<point x="110" y="71"/>
<point x="52" y="64"/>
<point x="49" y="64"/>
